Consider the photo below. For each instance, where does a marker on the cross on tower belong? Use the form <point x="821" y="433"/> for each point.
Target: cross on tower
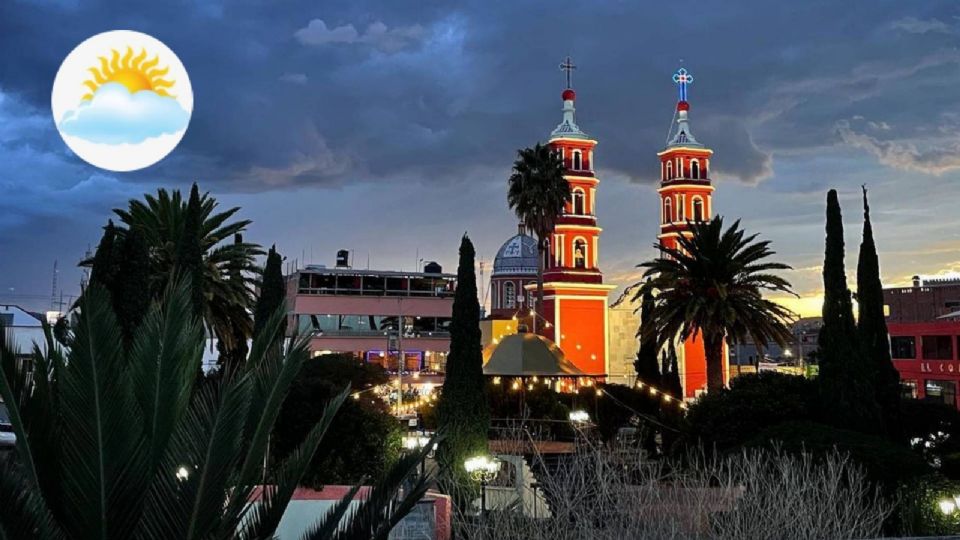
<point x="682" y="78"/>
<point x="568" y="66"/>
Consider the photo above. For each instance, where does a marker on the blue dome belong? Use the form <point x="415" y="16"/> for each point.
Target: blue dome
<point x="517" y="255"/>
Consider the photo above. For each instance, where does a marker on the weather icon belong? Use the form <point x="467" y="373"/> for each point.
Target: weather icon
<point x="122" y="100"/>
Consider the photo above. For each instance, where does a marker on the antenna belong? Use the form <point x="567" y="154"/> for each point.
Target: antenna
<point x="53" y="291"/>
<point x="483" y="287"/>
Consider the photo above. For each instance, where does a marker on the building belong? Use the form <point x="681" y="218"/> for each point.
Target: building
<point x="686" y="196"/>
<point x="348" y="310"/>
<point x="514" y="268"/>
<point x="23" y="329"/>
<point x="924" y="325"/>
<point x="575" y="297"/>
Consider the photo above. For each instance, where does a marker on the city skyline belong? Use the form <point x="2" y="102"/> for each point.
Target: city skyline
<point x="392" y="131"/>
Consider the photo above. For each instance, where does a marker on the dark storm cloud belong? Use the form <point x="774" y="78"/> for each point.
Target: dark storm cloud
<point x="383" y="93"/>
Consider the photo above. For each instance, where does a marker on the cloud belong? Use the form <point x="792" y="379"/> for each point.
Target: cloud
<point x="296" y="78"/>
<point x="936" y="158"/>
<point x="115" y="116"/>
<point x="913" y="25"/>
<point x="377" y="35"/>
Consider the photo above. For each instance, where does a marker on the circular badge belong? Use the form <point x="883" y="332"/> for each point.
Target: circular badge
<point x="121" y="100"/>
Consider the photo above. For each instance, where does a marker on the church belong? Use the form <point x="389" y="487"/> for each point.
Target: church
<point x="598" y="338"/>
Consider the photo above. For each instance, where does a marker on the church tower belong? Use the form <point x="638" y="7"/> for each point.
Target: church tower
<point x="686" y="194"/>
<point x="575" y="297"/>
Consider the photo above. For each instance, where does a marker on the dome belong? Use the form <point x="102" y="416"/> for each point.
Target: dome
<point x="517" y="255"/>
<point x="569" y="94"/>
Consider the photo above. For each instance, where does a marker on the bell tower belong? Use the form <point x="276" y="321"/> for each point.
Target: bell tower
<point x="686" y="194"/>
<point x="575" y="297"/>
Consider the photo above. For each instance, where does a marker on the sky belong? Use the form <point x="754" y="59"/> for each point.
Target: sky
<point x="389" y="127"/>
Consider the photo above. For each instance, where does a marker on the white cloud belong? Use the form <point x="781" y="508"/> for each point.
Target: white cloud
<point x="377" y="35"/>
<point x="913" y="25"/>
<point x="296" y="78"/>
<point x="115" y="116"/>
<point x="930" y="157"/>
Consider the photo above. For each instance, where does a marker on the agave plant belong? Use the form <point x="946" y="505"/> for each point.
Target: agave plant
<point x="131" y="446"/>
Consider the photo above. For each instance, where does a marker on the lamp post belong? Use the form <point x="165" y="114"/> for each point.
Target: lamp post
<point x="482" y="469"/>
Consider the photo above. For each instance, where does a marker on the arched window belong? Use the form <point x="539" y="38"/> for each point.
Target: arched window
<point x="669" y="170"/>
<point x="494" y="296"/>
<point x="697" y="209"/>
<point x="580" y="253"/>
<point x="667" y="210"/>
<point x="681" y="207"/>
<point x="509" y="295"/>
<point x="578" y="198"/>
<point x="576" y="160"/>
<point x="694" y="169"/>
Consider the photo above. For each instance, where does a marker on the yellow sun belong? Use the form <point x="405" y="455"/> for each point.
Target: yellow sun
<point x="133" y="73"/>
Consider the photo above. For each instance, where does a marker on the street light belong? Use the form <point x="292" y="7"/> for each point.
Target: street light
<point x="482" y="469"/>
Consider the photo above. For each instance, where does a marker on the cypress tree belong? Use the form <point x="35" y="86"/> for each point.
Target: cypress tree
<point x="671" y="374"/>
<point x="131" y="293"/>
<point x="190" y="252"/>
<point x="463" y="415"/>
<point x="872" y="327"/>
<point x="846" y="383"/>
<point x="646" y="362"/>
<point x="670" y="411"/>
<point x="272" y="291"/>
<point x="104" y="267"/>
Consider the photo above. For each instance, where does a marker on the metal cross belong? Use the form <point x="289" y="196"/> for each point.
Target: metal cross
<point x="682" y="78"/>
<point x="568" y="66"/>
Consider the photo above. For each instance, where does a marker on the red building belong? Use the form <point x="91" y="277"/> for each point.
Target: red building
<point x="686" y="196"/>
<point x="924" y="325"/>
<point x="575" y="297"/>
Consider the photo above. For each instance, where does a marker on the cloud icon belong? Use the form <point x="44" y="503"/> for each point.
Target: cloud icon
<point x="116" y="116"/>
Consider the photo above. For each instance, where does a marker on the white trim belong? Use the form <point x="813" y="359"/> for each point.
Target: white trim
<point x="703" y="187"/>
<point x="571" y="226"/>
<point x="669" y="171"/>
<point x="583" y="201"/>
<point x="596" y="251"/>
<point x="577" y="153"/>
<point x="606" y="340"/>
<point x="697" y="176"/>
<point x="706" y="151"/>
<point x="667" y="216"/>
<point x="693" y="207"/>
<point x="593" y="201"/>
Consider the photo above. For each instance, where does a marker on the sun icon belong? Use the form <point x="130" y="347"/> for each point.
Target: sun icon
<point x="122" y="100"/>
<point x="135" y="73"/>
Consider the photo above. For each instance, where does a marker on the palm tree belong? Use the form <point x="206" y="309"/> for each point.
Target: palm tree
<point x="191" y="238"/>
<point x="711" y="286"/>
<point x="538" y="193"/>
<point x="112" y="447"/>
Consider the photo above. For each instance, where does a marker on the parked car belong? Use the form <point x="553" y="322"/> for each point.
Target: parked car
<point x="7" y="438"/>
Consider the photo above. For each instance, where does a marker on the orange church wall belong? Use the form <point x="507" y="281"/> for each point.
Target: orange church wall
<point x="582" y="338"/>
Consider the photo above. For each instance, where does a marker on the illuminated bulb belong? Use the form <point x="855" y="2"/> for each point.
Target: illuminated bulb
<point x="496" y="380"/>
<point x="599" y="393"/>
<point x="593" y="357"/>
<point x="547" y="324"/>
<point x="183" y="473"/>
<point x="356" y="396"/>
<point x="666" y="397"/>
<point x="947" y="506"/>
<point x="578" y="346"/>
<point x="532" y="313"/>
<point x="530" y="386"/>
<point x="535" y="379"/>
<point x="653" y="391"/>
<point x="639" y="384"/>
<point x="495" y="341"/>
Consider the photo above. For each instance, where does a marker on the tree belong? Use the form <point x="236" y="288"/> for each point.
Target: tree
<point x="872" y="328"/>
<point x="272" y="291"/>
<point x="670" y="377"/>
<point x="711" y="286"/>
<point x="646" y="362"/>
<point x="104" y="263"/>
<point x="846" y="383"/>
<point x="538" y="193"/>
<point x="130" y="291"/>
<point x="109" y="449"/>
<point x="190" y="238"/>
<point x="364" y="438"/>
<point x="463" y="415"/>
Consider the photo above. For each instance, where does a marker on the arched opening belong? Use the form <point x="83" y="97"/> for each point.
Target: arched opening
<point x="667" y="210"/>
<point x="681" y="207"/>
<point x="509" y="295"/>
<point x="577" y="160"/>
<point x="580" y="253"/>
<point x="695" y="169"/>
<point x="669" y="170"/>
<point x="578" y="201"/>
<point x="697" y="209"/>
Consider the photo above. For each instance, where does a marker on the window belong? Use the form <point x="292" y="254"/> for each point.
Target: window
<point x="942" y="392"/>
<point x="697" y="209"/>
<point x="908" y="389"/>
<point x="578" y="197"/>
<point x="937" y="347"/>
<point x="694" y="169"/>
<point x="669" y="170"/>
<point x="667" y="210"/>
<point x="903" y="347"/>
<point x="580" y="253"/>
<point x="576" y="160"/>
<point x="681" y="207"/>
<point x="509" y="295"/>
